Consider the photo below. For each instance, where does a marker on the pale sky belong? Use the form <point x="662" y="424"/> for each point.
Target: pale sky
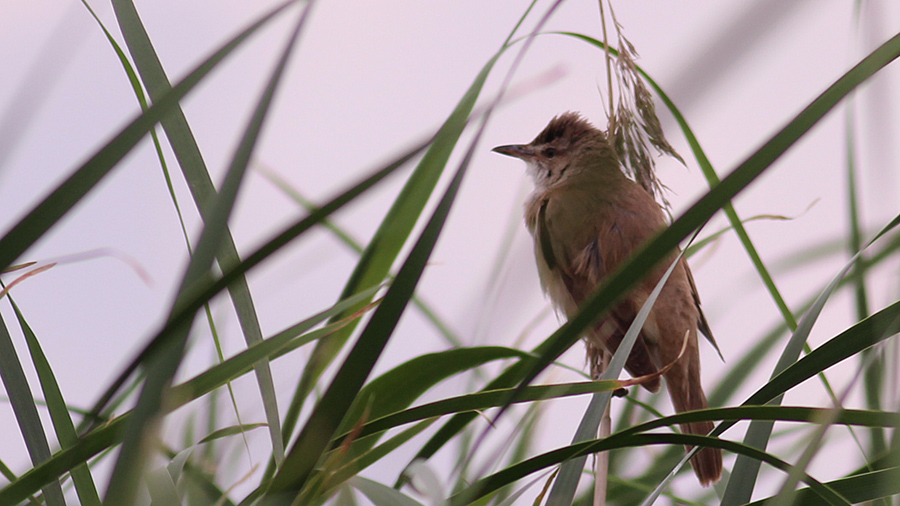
<point x="367" y="80"/>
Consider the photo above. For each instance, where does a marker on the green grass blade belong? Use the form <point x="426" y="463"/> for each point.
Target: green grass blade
<point x="208" y="450"/>
<point x="356" y="247"/>
<point x="869" y="332"/>
<point x="873" y="378"/>
<point x="230" y="431"/>
<point x="704" y="242"/>
<point x="743" y="479"/>
<point x="13" y="377"/>
<point x="396" y="389"/>
<point x="563" y="491"/>
<point x="516" y="472"/>
<point x="288" y="234"/>
<point x="480" y="401"/>
<point x="861" y="488"/>
<point x="337" y="399"/>
<point x="865" y="334"/>
<point x="270" y="348"/>
<point x="364" y="455"/>
<point x="738" y="372"/>
<point x="744" y="474"/>
<point x="53" y="207"/>
<point x="861" y="417"/>
<point x="162" y="365"/>
<point x="202" y="189"/>
<point x="381" y="495"/>
<point x="392" y="234"/>
<point x="59" y="412"/>
<point x="109" y="434"/>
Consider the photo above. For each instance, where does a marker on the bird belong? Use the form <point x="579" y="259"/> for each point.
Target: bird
<point x="587" y="217"/>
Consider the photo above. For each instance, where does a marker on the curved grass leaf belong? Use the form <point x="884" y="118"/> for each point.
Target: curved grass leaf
<point x="278" y="241"/>
<point x="362" y="456"/>
<point x="109" y="434"/>
<point x="338" y="397"/>
<point x="880" y="326"/>
<point x="396" y="389"/>
<point x="50" y="210"/>
<point x="860" y="488"/>
<point x="516" y="472"/>
<point x="393" y="232"/>
<point x="480" y="401"/>
<point x="59" y="412"/>
<point x="162" y="365"/>
<point x="382" y="495"/>
<point x="744" y="474"/>
<point x="740" y="486"/>
<point x="739" y="372"/>
<point x="867" y="333"/>
<point x="230" y="431"/>
<point x="863" y="418"/>
<point x="563" y="491"/>
<point x="860" y="417"/>
<point x="357" y="248"/>
<point x="702" y="243"/>
<point x="13" y="376"/>
<point x="202" y="189"/>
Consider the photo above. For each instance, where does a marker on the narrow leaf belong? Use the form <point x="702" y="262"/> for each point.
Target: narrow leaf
<point x="59" y="412"/>
<point x="16" y="385"/>
<point x="50" y="210"/>
<point x="162" y="365"/>
<point x="202" y="189"/>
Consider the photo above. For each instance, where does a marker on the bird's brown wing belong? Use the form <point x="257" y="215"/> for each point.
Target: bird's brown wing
<point x="588" y="270"/>
<point x="702" y="324"/>
<point x="542" y="235"/>
<point x="581" y="256"/>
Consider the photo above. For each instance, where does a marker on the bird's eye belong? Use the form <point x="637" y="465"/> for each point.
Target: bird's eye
<point x="549" y="153"/>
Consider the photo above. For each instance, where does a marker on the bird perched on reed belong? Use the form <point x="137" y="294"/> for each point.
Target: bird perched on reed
<point x="587" y="217"/>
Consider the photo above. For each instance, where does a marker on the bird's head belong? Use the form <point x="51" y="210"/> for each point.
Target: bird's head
<point x="564" y="150"/>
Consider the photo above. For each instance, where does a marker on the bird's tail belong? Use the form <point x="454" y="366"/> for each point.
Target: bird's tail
<point x="707" y="463"/>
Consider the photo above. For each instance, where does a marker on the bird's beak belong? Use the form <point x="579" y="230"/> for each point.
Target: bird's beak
<point x="522" y="151"/>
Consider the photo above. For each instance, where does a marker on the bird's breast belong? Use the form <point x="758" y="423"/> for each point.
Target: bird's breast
<point x="557" y="225"/>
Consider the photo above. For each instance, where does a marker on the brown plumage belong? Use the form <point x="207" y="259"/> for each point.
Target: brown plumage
<point x="586" y="218"/>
